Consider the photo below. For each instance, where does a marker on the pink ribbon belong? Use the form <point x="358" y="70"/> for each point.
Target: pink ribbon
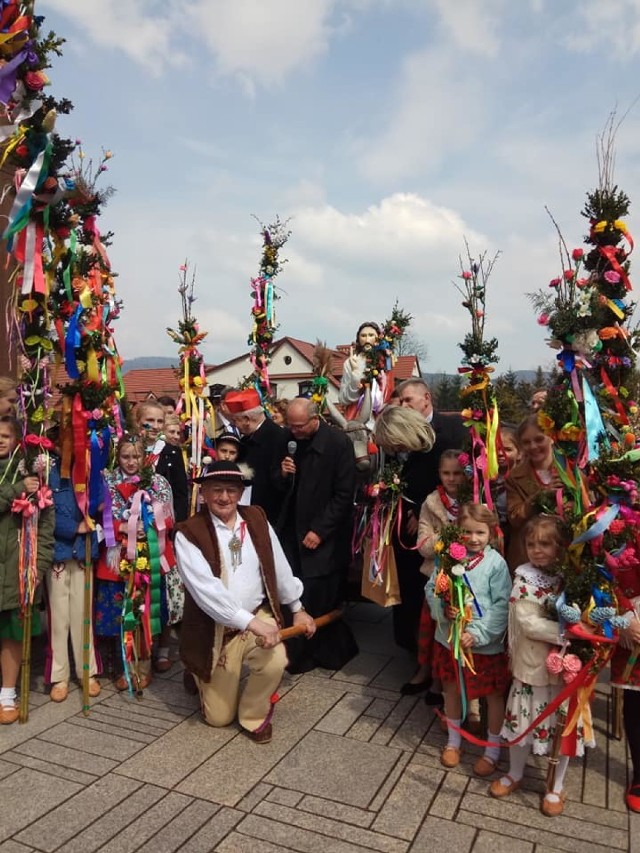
<point x="44" y="497"/>
<point x="23" y="505"/>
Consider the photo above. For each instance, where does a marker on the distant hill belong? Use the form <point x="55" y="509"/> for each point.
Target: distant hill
<point x="149" y="362"/>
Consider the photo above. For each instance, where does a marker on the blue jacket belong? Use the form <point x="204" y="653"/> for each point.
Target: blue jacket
<point x="69" y="544"/>
<point x="491" y="584"/>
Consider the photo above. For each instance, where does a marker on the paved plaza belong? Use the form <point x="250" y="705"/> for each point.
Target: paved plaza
<point x="353" y="767"/>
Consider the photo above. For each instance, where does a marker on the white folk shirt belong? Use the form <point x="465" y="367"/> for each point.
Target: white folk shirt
<point x="233" y="606"/>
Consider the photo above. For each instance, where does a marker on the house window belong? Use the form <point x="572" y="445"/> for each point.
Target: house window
<point x="305" y="389"/>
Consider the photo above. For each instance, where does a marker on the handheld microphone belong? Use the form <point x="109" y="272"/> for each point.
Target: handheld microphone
<point x="292" y="446"/>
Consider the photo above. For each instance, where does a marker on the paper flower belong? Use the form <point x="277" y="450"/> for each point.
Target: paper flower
<point x="554" y="663"/>
<point x="457" y="551"/>
<point x="571" y="666"/>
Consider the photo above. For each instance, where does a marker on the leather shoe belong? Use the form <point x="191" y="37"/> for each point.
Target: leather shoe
<point x="59" y="691"/>
<point x="498" y="790"/>
<point x="412" y="688"/>
<point x="94" y="687"/>
<point x="263" y="735"/>
<point x="162" y="664"/>
<point x="435" y="700"/>
<point x="484" y="766"/>
<point x="553" y="808"/>
<point x="450" y="756"/>
<point x="122" y="684"/>
<point x="8" y="714"/>
<point x="632" y="798"/>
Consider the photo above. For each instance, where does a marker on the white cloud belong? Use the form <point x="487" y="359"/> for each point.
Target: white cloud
<point x="613" y="25"/>
<point x="472" y="24"/>
<point x="262" y="41"/>
<point x="440" y="110"/>
<point x="127" y="25"/>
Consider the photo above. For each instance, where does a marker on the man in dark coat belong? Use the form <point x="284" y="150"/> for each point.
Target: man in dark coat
<point x="262" y="446"/>
<point x="319" y="479"/>
<point x="420" y="472"/>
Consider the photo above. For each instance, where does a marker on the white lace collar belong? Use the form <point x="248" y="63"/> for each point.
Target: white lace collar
<point x="536" y="577"/>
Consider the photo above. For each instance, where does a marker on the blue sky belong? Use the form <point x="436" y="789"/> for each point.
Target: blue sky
<point x="388" y="130"/>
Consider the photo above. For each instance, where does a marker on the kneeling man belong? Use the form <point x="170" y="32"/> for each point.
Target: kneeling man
<point x="236" y="577"/>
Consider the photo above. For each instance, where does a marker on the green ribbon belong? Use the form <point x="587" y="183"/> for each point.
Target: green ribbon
<point x="155" y="581"/>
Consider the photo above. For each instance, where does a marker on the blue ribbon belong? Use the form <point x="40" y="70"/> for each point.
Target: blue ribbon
<point x="71" y="343"/>
<point x="598" y="527"/>
<point x="593" y="421"/>
<point x="567" y="359"/>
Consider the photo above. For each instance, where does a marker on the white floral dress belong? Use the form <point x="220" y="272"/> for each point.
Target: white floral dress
<point x="527" y="701"/>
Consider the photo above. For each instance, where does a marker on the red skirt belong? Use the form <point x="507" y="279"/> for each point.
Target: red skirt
<point x="426" y="636"/>
<point x="491" y="672"/>
<point x="619" y="664"/>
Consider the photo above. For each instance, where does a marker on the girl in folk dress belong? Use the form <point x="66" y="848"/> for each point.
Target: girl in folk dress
<point x="440" y="507"/>
<point x="127" y="490"/>
<point x="532" y="635"/>
<point x="489" y="583"/>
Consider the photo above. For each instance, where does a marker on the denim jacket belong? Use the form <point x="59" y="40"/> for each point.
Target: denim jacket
<point x="69" y="544"/>
<point x="491" y="584"/>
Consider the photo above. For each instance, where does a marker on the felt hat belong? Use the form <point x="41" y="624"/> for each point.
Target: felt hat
<point x="221" y="472"/>
<point x="241" y="401"/>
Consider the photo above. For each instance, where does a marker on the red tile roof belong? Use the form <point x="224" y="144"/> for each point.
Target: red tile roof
<point x="152" y="382"/>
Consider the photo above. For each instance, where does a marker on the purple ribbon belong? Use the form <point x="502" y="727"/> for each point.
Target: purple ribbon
<point x="8" y="74"/>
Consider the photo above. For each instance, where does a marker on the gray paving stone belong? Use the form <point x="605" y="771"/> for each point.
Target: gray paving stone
<point x="171" y="693"/>
<point x="7" y="768"/>
<point x="26" y="795"/>
<point x="96" y="724"/>
<point x="449" y="794"/>
<point x="438" y="834"/>
<point x="173" y="836"/>
<point x="89" y="740"/>
<point x="65" y="756"/>
<point x="283" y="797"/>
<point x="14" y="847"/>
<point x="218" y="829"/>
<point x="634" y="832"/>
<point x="128" y="723"/>
<point x="238" y="843"/>
<point x="69" y="819"/>
<point x="380" y="798"/>
<point x="177" y="753"/>
<point x="412" y="729"/>
<point x="39" y="721"/>
<point x="617" y="774"/>
<point x="52" y="769"/>
<point x="395" y="719"/>
<point x="343" y="715"/>
<point x="158" y="714"/>
<point x="156" y="817"/>
<point x="395" y="672"/>
<point x="362" y="669"/>
<point x="337" y="811"/>
<point x="364" y="729"/>
<point x="380" y="708"/>
<point x="490" y="842"/>
<point x="408" y="802"/>
<point x="311" y="833"/>
<point x="234" y="770"/>
<point x="335" y="768"/>
<point x="255" y="796"/>
<point x="110" y="824"/>
<point x="554" y="832"/>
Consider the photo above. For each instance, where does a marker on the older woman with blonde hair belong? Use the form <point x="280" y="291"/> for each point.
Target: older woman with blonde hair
<point x="401" y="430"/>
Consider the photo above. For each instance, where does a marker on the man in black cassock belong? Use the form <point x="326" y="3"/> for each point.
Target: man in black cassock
<point x="318" y="482"/>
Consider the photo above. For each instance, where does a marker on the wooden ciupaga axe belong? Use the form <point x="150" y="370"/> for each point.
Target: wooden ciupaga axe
<point x="298" y="630"/>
